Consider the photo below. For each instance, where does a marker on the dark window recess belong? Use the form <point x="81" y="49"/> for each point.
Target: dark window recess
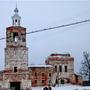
<point x="35" y="74"/>
<point x="16" y="20"/>
<point x="42" y="74"/>
<point x="15" y="35"/>
<point x="68" y="80"/>
<point x="23" y="39"/>
<point x="56" y="68"/>
<point x="43" y="81"/>
<point x="62" y="81"/>
<point x="60" y="68"/>
<point x="76" y="78"/>
<point x="49" y="74"/>
<point x="35" y="81"/>
<point x="65" y="68"/>
<point x="15" y="69"/>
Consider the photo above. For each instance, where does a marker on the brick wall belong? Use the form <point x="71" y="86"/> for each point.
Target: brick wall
<point x="63" y="66"/>
<point x="41" y="75"/>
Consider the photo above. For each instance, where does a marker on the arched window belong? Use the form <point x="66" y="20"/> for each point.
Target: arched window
<point x="15" y="20"/>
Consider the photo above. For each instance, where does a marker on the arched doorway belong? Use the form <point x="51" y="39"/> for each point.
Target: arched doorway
<point x="62" y="81"/>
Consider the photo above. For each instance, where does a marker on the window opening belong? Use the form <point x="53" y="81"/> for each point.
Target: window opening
<point x="15" y="37"/>
<point x="65" y="68"/>
<point x="60" y="68"/>
<point x="15" y="69"/>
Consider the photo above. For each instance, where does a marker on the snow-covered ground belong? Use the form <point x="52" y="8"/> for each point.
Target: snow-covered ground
<point x="65" y="87"/>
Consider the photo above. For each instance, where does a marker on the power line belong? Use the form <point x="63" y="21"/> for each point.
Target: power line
<point x="64" y="25"/>
<point x="51" y="28"/>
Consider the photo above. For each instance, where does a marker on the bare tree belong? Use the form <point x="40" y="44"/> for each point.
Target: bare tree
<point x="85" y="69"/>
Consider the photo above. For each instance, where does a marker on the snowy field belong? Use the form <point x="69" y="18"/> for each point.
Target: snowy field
<point x="65" y="87"/>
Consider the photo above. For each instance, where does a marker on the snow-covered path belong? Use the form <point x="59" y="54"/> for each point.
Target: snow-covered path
<point x="65" y="87"/>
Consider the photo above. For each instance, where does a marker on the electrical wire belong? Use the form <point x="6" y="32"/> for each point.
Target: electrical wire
<point x="51" y="28"/>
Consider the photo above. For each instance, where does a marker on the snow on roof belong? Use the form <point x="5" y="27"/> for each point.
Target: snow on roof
<point x="40" y="65"/>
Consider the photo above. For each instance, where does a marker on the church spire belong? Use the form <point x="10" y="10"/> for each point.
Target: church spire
<point x="16" y="9"/>
<point x="16" y="18"/>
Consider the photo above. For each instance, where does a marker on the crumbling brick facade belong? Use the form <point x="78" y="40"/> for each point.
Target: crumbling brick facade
<point x="16" y="74"/>
<point x="63" y="67"/>
<point x="76" y="79"/>
<point x="59" y="68"/>
<point x="41" y="74"/>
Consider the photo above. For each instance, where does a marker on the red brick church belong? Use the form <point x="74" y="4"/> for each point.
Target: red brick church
<point x="58" y="68"/>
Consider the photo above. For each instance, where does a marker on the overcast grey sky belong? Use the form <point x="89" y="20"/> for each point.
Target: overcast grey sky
<point x="39" y="14"/>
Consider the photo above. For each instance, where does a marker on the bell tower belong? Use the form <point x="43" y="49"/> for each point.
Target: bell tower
<point x="16" y="18"/>
<point x="16" y="52"/>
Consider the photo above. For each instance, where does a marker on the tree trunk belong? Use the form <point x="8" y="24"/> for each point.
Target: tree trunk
<point x="89" y="72"/>
<point x="89" y="76"/>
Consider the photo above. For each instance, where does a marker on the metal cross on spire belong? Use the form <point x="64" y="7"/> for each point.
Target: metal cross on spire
<point x="16" y="9"/>
<point x="16" y="18"/>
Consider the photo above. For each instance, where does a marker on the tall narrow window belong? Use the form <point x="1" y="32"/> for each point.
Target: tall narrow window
<point x="15" y="37"/>
<point x="15" y="69"/>
<point x="65" y="68"/>
<point x="56" y="68"/>
<point x="23" y="37"/>
<point x="42" y="74"/>
<point x="35" y="74"/>
<point x="49" y="74"/>
<point x="60" y="68"/>
<point x="16" y="20"/>
<point x="76" y="78"/>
